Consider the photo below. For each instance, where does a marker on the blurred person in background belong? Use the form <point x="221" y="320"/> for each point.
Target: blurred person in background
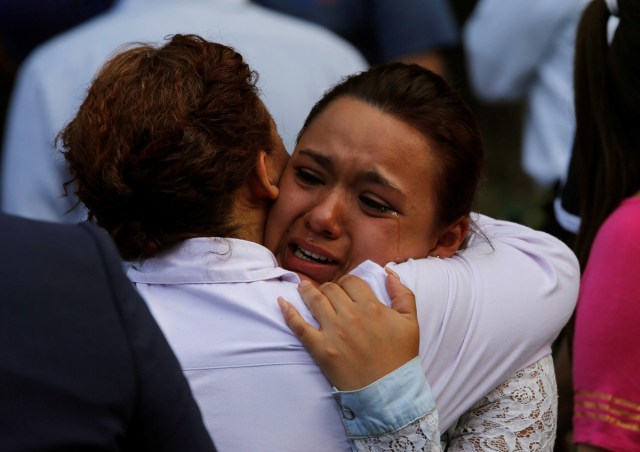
<point x="83" y="364"/>
<point x="24" y="24"/>
<point x="297" y="61"/>
<point x="411" y="31"/>
<point x="606" y="346"/>
<point x="567" y="203"/>
<point x="517" y="50"/>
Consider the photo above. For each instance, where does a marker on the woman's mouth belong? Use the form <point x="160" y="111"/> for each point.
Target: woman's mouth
<point x="317" y="264"/>
<point x="309" y="256"/>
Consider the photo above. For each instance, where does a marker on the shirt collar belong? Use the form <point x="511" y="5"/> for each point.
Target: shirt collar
<point x="210" y="260"/>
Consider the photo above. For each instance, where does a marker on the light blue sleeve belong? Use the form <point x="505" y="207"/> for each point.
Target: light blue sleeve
<point x="398" y="407"/>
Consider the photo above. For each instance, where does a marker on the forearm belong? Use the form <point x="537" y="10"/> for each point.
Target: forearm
<point x="519" y="414"/>
<point x="360" y="340"/>
<point x="490" y="311"/>
<point x="397" y="412"/>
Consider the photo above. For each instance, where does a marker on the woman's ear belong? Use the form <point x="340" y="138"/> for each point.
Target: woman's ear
<point x="265" y="183"/>
<point x="451" y="238"/>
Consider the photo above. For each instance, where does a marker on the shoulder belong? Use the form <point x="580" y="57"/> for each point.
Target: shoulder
<point x="617" y="239"/>
<point x="623" y="222"/>
<point x="606" y="346"/>
<point x="82" y="255"/>
<point x="613" y="261"/>
<point x="39" y="236"/>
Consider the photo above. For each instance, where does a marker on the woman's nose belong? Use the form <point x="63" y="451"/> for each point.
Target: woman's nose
<point x="325" y="217"/>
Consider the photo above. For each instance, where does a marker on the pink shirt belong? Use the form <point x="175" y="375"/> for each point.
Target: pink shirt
<point x="606" y="369"/>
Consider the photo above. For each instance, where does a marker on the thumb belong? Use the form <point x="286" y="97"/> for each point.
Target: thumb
<point x="402" y="298"/>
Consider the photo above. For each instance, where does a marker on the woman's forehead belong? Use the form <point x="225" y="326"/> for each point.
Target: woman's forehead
<point x="349" y="131"/>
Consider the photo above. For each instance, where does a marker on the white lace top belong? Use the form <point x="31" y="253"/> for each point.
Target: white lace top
<point x="520" y="414"/>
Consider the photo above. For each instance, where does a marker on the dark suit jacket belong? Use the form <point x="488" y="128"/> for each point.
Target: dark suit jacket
<point x="83" y="365"/>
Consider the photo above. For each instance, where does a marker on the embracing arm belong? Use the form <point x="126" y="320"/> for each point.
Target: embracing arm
<point x="519" y="414"/>
<point x="507" y="295"/>
<point x="530" y="279"/>
<point x="369" y="351"/>
<point x="490" y="311"/>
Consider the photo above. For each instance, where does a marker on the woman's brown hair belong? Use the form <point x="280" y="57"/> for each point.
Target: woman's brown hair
<point x="163" y="139"/>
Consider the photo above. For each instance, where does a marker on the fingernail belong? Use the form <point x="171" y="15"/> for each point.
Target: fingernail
<point x="304" y="283"/>
<point x="284" y="306"/>
<point x="391" y="272"/>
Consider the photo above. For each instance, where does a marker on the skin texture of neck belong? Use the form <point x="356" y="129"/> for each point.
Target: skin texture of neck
<point x="249" y="215"/>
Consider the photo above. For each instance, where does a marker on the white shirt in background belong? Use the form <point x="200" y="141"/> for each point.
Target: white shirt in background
<point x="296" y="62"/>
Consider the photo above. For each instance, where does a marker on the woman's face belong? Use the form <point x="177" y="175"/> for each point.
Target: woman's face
<point x="360" y="185"/>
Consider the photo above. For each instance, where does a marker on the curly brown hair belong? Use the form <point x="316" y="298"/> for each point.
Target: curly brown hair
<point x="163" y="139"/>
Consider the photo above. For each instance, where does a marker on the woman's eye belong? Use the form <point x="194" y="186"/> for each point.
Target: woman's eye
<point x="375" y="205"/>
<point x="308" y="178"/>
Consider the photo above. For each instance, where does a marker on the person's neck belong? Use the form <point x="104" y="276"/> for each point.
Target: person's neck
<point x="250" y="233"/>
<point x="250" y="220"/>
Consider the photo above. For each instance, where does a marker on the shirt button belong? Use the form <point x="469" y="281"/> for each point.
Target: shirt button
<point x="348" y="414"/>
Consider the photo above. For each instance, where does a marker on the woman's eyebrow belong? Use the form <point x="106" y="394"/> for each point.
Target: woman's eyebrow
<point x="320" y="159"/>
<point x="375" y="177"/>
<point x="371" y="176"/>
